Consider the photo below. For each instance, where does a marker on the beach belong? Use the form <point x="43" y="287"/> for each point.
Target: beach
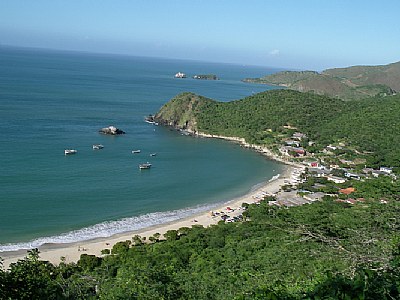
<point x="72" y="252"/>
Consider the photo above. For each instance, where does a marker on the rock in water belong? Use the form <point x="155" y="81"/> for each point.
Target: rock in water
<point x="112" y="130"/>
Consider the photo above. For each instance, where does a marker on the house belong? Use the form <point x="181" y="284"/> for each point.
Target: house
<point x="377" y="173"/>
<point x="352" y="175"/>
<point x="347" y="191"/>
<point x="318" y="172"/>
<point x="386" y="170"/>
<point x="313" y="164"/>
<point x="292" y="143"/>
<point x="294" y="151"/>
<point x="336" y="179"/>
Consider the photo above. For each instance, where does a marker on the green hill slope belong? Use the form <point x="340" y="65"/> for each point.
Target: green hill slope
<point x="369" y="126"/>
<point x="345" y="83"/>
<point x="388" y="75"/>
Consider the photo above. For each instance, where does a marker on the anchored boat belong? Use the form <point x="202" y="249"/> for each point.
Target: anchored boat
<point x="98" y="146"/>
<point x="145" y="166"/>
<point x="70" y="151"/>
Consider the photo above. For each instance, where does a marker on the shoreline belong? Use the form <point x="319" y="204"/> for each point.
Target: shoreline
<point x="71" y="252"/>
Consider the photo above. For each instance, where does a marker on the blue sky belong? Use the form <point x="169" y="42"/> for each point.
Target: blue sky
<point x="300" y="34"/>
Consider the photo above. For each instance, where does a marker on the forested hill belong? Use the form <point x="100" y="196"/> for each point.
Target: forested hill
<point x="370" y="126"/>
<point x="350" y="83"/>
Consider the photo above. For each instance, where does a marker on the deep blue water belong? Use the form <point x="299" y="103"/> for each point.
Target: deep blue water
<point x="51" y="101"/>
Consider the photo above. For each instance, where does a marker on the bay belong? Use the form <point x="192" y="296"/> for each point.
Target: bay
<point x="53" y="100"/>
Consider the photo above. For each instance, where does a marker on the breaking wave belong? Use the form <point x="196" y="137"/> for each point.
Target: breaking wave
<point x="109" y="228"/>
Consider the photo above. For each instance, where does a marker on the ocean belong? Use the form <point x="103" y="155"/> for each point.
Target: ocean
<point x="54" y="100"/>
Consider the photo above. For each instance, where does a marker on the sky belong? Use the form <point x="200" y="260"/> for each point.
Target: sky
<point x="293" y="34"/>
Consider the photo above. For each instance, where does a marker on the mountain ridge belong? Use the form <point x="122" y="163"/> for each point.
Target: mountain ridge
<point x="351" y="83"/>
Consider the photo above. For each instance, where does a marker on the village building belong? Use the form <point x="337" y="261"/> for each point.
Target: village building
<point x="336" y="179"/>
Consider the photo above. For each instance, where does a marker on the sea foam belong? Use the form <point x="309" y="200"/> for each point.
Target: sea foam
<point x="109" y="228"/>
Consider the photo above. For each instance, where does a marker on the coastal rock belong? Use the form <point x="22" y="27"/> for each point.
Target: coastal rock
<point x="111" y="130"/>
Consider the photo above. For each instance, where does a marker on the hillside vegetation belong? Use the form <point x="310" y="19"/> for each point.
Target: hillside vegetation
<point x="369" y="126"/>
<point x="351" y="83"/>
<point x="327" y="250"/>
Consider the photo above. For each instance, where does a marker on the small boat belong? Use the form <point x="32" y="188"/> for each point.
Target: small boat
<point x="153" y="154"/>
<point x="145" y="166"/>
<point x="135" y="151"/>
<point x="98" y="146"/>
<point x="70" y="151"/>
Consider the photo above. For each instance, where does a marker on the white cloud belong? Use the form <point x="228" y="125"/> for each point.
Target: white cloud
<point x="274" y="52"/>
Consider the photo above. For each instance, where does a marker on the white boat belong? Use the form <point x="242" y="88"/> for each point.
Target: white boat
<point x="153" y="154"/>
<point x="70" y="151"/>
<point x="98" y="146"/>
<point x="180" y="75"/>
<point x="145" y="166"/>
<point x="135" y="151"/>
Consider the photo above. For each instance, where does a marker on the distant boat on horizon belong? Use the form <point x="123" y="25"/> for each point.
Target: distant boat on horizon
<point x="153" y="154"/>
<point x="135" y="151"/>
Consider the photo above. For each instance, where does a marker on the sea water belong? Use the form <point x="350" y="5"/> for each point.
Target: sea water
<point x="52" y="100"/>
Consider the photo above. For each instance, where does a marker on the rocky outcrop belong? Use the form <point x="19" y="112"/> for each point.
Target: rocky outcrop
<point x="181" y="112"/>
<point x="111" y="130"/>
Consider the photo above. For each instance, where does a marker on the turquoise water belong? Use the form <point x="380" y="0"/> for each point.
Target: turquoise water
<point x="51" y="101"/>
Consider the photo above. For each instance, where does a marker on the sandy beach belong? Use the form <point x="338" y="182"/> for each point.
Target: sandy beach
<point x="71" y="252"/>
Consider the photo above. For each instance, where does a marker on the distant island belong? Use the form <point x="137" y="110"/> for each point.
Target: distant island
<point x="206" y="77"/>
<point x="350" y="83"/>
<point x="198" y="76"/>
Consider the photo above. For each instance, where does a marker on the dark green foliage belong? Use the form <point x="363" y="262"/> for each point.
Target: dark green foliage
<point x="89" y="262"/>
<point x="121" y="247"/>
<point x="31" y="278"/>
<point x="327" y="250"/>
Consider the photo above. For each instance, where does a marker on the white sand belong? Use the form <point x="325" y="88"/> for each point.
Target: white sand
<point x="71" y="252"/>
